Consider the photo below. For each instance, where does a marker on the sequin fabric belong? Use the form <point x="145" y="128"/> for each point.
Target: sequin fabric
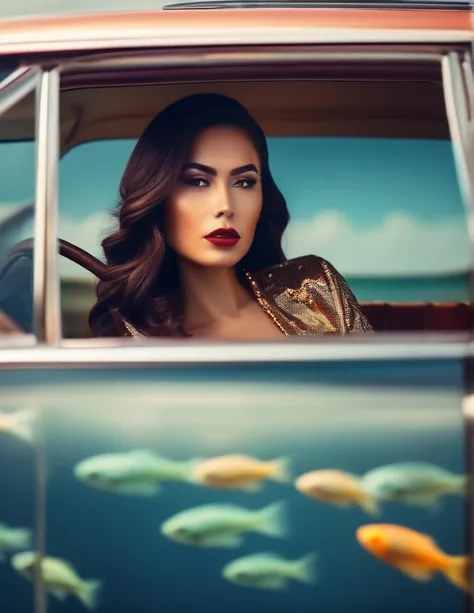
<point x="305" y="296"/>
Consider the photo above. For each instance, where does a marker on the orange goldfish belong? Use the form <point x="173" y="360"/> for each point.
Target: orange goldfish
<point x="20" y="423"/>
<point x="414" y="554"/>
<point x="239" y="472"/>
<point x="336" y="487"/>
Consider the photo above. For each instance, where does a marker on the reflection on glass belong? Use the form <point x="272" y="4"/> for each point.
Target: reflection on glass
<point x="305" y="488"/>
<point x="17" y="174"/>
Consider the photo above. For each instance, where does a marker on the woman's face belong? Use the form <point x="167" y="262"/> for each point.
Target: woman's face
<point x="212" y="213"/>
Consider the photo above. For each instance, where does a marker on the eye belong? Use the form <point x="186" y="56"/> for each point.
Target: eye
<point x="244" y="577"/>
<point x="377" y="543"/>
<point x="397" y="493"/>
<point x="189" y="535"/>
<point x="197" y="181"/>
<point x="245" y="183"/>
<point x="184" y="532"/>
<point x="29" y="570"/>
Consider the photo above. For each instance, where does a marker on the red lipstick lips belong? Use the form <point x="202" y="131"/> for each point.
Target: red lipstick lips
<point x="223" y="237"/>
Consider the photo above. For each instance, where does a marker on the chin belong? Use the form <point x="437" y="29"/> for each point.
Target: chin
<point x="221" y="258"/>
<point x="224" y="261"/>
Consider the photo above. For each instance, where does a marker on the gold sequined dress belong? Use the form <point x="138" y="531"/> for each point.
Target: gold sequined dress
<point x="305" y="296"/>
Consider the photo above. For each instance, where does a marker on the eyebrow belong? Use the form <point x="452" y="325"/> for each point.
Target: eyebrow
<point x="212" y="171"/>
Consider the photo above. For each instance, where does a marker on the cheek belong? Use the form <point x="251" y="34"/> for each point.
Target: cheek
<point x="181" y="221"/>
<point x="253" y="210"/>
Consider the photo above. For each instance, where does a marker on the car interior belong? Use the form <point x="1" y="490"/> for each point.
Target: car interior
<point x="114" y="97"/>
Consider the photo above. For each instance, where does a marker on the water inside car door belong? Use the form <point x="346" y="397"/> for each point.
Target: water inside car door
<point x="177" y="487"/>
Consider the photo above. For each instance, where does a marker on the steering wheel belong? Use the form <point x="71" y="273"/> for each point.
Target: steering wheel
<point x="16" y="281"/>
<point x="66" y="249"/>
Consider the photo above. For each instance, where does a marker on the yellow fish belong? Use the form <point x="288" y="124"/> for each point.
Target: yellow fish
<point x="414" y="554"/>
<point x="240" y="472"/>
<point x="338" y="488"/>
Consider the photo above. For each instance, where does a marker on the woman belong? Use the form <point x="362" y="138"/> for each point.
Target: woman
<point x="198" y="250"/>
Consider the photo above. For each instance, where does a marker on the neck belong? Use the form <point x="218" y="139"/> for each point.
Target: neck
<point x="210" y="295"/>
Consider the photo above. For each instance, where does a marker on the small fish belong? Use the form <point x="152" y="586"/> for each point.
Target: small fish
<point x="135" y="473"/>
<point x="336" y="487"/>
<point x="413" y="553"/>
<point x="223" y="525"/>
<point x="270" y="571"/>
<point x="237" y="471"/>
<point x="20" y="423"/>
<point x="59" y="577"/>
<point x="13" y="539"/>
<point x="420" y="483"/>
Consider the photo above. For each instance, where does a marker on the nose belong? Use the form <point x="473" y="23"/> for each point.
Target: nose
<point x="224" y="205"/>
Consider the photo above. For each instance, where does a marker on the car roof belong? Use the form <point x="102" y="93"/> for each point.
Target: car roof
<point x="125" y="29"/>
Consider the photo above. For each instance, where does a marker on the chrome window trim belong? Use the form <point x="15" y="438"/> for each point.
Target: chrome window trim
<point x="13" y="76"/>
<point x="46" y="284"/>
<point x="460" y="125"/>
<point x="48" y="40"/>
<point x="196" y="57"/>
<point x="454" y="86"/>
<point x="12" y="341"/>
<point x="129" y="353"/>
<point x="17" y="86"/>
<point x="468" y="73"/>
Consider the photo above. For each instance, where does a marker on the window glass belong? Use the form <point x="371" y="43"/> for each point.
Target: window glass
<point x="386" y="212"/>
<point x="17" y="184"/>
<point x="17" y="423"/>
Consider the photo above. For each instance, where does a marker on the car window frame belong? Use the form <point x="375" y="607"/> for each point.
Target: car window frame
<point x="47" y="322"/>
<point x="14" y="87"/>
<point x="455" y="96"/>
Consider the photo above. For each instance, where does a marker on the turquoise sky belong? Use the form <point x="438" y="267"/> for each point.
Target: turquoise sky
<point x="395" y="199"/>
<point x="365" y="178"/>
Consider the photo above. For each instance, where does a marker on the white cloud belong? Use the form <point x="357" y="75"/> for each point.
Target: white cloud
<point x="86" y="233"/>
<point x="9" y="208"/>
<point x="400" y="245"/>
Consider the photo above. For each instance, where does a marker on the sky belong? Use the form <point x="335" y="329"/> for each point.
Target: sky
<point x="370" y="206"/>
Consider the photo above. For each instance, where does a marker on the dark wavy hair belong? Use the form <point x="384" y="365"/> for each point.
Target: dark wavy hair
<point x="142" y="280"/>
